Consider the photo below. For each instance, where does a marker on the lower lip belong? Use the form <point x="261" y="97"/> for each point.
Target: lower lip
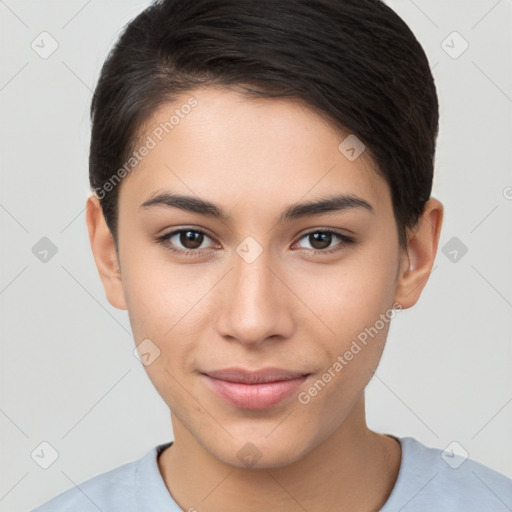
<point x="255" y="396"/>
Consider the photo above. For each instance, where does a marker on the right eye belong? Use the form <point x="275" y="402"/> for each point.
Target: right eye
<point x="190" y="238"/>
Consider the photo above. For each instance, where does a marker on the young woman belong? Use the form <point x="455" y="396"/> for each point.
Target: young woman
<point x="261" y="176"/>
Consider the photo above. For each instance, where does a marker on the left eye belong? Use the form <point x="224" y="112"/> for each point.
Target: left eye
<point x="323" y="238"/>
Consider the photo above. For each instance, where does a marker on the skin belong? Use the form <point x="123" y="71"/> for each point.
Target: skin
<point x="288" y="308"/>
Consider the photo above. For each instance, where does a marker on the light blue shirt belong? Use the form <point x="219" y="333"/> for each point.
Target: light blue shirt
<point x="426" y="482"/>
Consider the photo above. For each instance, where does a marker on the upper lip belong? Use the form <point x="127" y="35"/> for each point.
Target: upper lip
<point x="254" y="376"/>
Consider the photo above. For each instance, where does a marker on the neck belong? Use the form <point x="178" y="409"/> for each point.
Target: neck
<point x="354" y="469"/>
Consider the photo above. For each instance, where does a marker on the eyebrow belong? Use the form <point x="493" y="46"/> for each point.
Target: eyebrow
<point x="328" y="204"/>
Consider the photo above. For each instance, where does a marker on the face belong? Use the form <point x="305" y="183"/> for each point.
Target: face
<point x="255" y="288"/>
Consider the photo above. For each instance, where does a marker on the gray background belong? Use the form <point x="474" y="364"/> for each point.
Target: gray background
<point x="68" y="374"/>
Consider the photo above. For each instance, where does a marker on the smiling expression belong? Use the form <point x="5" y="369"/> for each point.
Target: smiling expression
<point x="248" y="239"/>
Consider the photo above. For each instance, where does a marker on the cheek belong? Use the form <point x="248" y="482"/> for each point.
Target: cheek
<point x="157" y="295"/>
<point x="356" y="305"/>
<point x="163" y="304"/>
<point x="353" y="296"/>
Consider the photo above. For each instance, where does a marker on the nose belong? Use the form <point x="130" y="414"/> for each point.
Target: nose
<point x="255" y="303"/>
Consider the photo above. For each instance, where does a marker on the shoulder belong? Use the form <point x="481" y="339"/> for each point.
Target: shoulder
<point x="112" y="491"/>
<point x="434" y="479"/>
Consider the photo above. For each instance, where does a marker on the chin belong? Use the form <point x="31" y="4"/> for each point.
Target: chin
<point x="263" y="452"/>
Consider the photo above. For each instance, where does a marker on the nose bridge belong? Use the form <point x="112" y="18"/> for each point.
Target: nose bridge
<point x="252" y="279"/>
<point x="252" y="276"/>
<point x="253" y="307"/>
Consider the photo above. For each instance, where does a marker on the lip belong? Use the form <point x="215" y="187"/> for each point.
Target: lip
<point x="256" y="390"/>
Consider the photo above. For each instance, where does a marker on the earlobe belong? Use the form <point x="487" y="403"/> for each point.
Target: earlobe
<point x="421" y="252"/>
<point x="104" y="252"/>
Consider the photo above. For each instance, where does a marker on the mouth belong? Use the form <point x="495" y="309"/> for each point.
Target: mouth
<point x="256" y="390"/>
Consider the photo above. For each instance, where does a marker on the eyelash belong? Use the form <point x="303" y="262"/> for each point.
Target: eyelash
<point x="164" y="240"/>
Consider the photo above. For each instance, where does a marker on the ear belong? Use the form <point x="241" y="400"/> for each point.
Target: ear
<point x="104" y="252"/>
<point x="417" y="261"/>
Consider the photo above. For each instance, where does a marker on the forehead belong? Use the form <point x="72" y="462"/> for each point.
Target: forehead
<point x="252" y="152"/>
